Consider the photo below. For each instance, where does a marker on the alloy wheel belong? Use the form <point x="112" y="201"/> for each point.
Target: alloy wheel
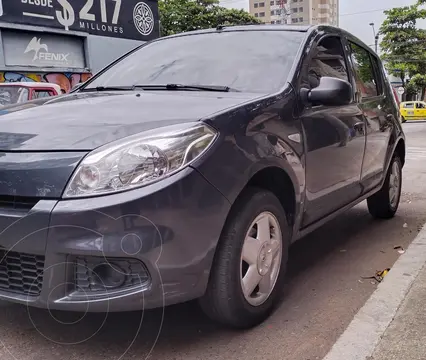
<point x="261" y="258"/>
<point x="394" y="184"/>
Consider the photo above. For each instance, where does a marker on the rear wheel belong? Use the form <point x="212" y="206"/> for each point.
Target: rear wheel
<point x="384" y="204"/>
<point x="249" y="267"/>
<point x="403" y="119"/>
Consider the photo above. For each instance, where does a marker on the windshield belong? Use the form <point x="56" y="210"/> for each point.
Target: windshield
<point x="248" y="61"/>
<point x="12" y="95"/>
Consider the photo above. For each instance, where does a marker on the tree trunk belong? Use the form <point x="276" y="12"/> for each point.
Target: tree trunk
<point x="423" y="94"/>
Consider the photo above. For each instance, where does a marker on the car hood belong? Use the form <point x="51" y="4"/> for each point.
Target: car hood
<point x="85" y="121"/>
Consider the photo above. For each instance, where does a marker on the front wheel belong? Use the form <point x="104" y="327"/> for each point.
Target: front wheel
<point x="250" y="262"/>
<point x="384" y="204"/>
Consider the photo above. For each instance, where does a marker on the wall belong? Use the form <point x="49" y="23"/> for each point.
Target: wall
<point x="102" y="50"/>
<point x="65" y="80"/>
<point x="99" y="51"/>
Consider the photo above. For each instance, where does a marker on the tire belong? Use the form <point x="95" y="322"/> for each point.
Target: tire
<point x="382" y="205"/>
<point x="403" y="119"/>
<point x="224" y="300"/>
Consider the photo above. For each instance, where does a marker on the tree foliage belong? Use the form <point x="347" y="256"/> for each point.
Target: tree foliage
<point x="403" y="43"/>
<point x="177" y="16"/>
<point x="418" y="82"/>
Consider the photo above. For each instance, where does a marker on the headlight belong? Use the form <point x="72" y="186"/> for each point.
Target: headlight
<point x="139" y="160"/>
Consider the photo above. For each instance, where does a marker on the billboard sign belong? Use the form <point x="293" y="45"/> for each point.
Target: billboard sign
<point x="130" y="19"/>
<point x="43" y="50"/>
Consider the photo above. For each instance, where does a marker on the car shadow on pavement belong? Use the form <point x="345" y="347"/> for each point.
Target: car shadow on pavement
<point x="178" y="329"/>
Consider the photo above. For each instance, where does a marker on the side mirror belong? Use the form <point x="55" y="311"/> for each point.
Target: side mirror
<point x="331" y="92"/>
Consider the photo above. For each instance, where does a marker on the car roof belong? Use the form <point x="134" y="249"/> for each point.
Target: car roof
<point x="308" y="29"/>
<point x="30" y="84"/>
<point x="240" y="28"/>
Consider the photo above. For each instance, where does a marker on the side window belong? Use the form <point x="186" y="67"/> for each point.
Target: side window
<point x="420" y="106"/>
<point x="364" y="72"/>
<point x="409" y="106"/>
<point x="378" y="75"/>
<point x="41" y="94"/>
<point x="328" y="60"/>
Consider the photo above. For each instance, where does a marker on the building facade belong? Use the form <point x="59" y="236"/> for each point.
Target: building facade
<point x="301" y="12"/>
<point x="66" y="41"/>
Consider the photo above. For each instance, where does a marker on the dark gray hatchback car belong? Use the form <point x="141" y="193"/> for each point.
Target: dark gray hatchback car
<point x="188" y="167"/>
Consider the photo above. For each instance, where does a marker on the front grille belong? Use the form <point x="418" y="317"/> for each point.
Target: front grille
<point x="21" y="273"/>
<point x="86" y="279"/>
<point x="17" y="202"/>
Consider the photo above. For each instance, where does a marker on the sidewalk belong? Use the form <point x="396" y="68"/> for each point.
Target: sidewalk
<point x="405" y="338"/>
<point x="392" y="323"/>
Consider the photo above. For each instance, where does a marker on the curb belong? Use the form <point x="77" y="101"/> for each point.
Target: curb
<point x="364" y="333"/>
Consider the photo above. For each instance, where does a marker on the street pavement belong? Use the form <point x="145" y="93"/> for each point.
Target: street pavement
<point x="405" y="338"/>
<point x="325" y="290"/>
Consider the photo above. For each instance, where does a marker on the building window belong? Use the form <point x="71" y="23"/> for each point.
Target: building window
<point x="272" y="3"/>
<point x="256" y="5"/>
<point x="295" y="20"/>
<point x="294" y="1"/>
<point x="262" y="4"/>
<point x="300" y="19"/>
<point x="278" y="22"/>
<point x="301" y="9"/>
<point x="256" y="15"/>
<point x="294" y="10"/>
<point x="262" y="14"/>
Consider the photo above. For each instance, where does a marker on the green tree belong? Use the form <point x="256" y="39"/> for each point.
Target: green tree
<point x="418" y="81"/>
<point x="178" y="16"/>
<point x="403" y="43"/>
<point x="410" y="91"/>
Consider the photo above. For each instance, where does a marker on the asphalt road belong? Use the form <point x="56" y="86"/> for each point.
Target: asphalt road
<point x="325" y="289"/>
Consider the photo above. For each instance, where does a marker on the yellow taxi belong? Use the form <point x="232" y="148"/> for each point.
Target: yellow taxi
<point x="413" y="110"/>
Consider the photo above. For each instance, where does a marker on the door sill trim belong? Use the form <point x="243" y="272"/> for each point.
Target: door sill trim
<point x="308" y="229"/>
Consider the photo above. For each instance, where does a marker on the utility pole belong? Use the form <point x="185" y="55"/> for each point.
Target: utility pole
<point x="284" y="12"/>
<point x="376" y="38"/>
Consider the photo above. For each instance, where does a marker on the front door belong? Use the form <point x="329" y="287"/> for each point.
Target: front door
<point x="334" y="138"/>
<point x="420" y="111"/>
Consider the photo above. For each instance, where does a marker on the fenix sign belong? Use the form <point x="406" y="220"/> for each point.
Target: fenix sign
<point x="36" y="46"/>
<point x="131" y="19"/>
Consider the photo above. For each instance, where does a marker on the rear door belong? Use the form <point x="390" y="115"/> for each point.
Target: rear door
<point x="378" y="110"/>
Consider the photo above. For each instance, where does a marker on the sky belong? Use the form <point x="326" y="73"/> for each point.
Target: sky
<point x="355" y="15"/>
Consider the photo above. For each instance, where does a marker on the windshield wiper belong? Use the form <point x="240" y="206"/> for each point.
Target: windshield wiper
<point x="108" y="88"/>
<point x="219" y="88"/>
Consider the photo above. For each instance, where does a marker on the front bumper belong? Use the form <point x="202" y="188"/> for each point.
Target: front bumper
<point x="172" y="227"/>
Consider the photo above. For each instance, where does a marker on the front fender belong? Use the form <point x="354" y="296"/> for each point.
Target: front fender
<point x="235" y="160"/>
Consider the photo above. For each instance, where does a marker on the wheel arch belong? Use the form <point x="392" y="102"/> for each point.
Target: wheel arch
<point x="280" y="183"/>
<point x="400" y="150"/>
